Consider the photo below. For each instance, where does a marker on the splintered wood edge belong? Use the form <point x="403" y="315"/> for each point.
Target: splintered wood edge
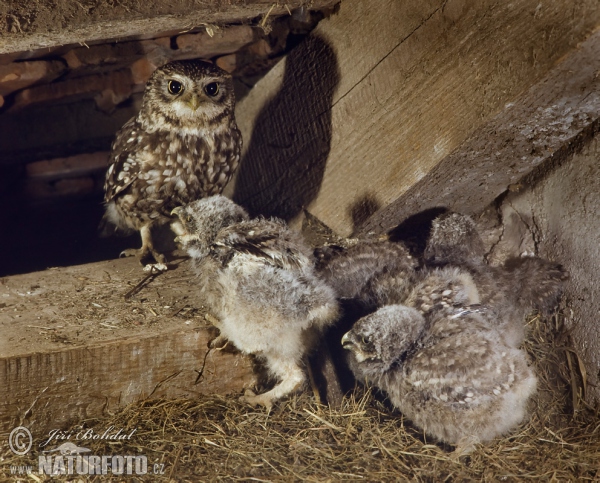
<point x="131" y="27"/>
<point x="541" y="128"/>
<point x="47" y="390"/>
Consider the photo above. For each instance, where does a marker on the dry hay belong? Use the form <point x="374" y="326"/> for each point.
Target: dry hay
<point x="218" y="438"/>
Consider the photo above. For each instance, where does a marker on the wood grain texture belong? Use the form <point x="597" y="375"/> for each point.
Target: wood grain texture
<point x="540" y="129"/>
<point x="73" y="347"/>
<point x="403" y="104"/>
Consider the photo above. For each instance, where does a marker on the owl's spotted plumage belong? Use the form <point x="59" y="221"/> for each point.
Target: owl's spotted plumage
<point x="258" y="277"/>
<point x="183" y="145"/>
<point x="451" y="374"/>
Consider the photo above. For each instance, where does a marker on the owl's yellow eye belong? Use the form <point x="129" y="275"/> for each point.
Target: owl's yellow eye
<point x="212" y="89"/>
<point x="175" y="87"/>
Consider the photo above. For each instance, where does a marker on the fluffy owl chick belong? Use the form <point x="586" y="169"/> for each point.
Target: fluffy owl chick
<point x="442" y="289"/>
<point x="372" y="272"/>
<point x="452" y="375"/>
<point x="454" y="239"/>
<point x="258" y="276"/>
<point x="512" y="290"/>
<point x="183" y="145"/>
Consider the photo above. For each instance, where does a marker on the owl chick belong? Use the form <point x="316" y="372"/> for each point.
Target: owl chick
<point x="183" y="145"/>
<point x="452" y="375"/>
<point x="512" y="290"/>
<point x="258" y="277"/>
<point x="371" y="272"/>
<point x="454" y="239"/>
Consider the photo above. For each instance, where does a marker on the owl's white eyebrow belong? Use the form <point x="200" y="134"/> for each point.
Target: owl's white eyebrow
<point x="212" y="79"/>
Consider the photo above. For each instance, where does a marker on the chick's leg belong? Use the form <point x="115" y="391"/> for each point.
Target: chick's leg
<point x="291" y="376"/>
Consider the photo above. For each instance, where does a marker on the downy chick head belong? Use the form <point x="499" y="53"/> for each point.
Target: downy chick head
<point x="202" y="219"/>
<point x="383" y="338"/>
<point x="454" y="239"/>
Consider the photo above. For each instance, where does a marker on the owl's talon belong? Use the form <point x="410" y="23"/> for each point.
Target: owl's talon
<point x="464" y="447"/>
<point x="251" y="398"/>
<point x="130" y="252"/>
<point x="218" y="343"/>
<point x="155" y="268"/>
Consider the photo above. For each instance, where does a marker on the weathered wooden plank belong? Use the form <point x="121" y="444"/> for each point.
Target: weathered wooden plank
<point x="546" y="124"/>
<point x="73" y="346"/>
<point x="33" y="26"/>
<point x="444" y="70"/>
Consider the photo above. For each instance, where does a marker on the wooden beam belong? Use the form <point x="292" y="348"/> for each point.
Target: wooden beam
<point x="29" y="27"/>
<point x="540" y="129"/>
<point x="73" y="347"/>
<point x="384" y="90"/>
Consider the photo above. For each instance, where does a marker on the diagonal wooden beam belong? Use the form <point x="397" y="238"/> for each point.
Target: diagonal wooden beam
<point x="539" y="129"/>
<point x="401" y="86"/>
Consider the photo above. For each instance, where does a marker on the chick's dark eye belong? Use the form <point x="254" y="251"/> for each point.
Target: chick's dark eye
<point x="365" y="339"/>
<point x="212" y="89"/>
<point x="175" y="87"/>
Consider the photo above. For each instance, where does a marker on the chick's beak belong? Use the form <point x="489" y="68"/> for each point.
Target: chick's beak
<point x="194" y="102"/>
<point x="347" y="341"/>
<point x="176" y="211"/>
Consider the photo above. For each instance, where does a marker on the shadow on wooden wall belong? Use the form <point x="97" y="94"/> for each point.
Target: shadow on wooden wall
<point x="285" y="162"/>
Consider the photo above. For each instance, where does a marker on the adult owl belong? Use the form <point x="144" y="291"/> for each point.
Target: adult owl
<point x="257" y="276"/>
<point x="451" y="374"/>
<point x="183" y="145"/>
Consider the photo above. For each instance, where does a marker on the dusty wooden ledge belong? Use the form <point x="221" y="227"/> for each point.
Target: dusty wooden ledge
<point x="60" y="23"/>
<point x="73" y="347"/>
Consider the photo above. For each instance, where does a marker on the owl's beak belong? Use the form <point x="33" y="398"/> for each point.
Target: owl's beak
<point x="347" y="341"/>
<point x="356" y="349"/>
<point x="194" y="102"/>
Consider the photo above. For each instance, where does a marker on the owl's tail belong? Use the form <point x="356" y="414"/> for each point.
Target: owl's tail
<point x="539" y="283"/>
<point x="106" y="228"/>
<point x="112" y="224"/>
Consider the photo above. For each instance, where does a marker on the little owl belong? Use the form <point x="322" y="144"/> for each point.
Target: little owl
<point x="183" y="145"/>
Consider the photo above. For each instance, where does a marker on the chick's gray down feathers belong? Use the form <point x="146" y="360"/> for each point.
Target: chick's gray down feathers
<point x="371" y="272"/>
<point x="454" y="239"/>
<point x="378" y="273"/>
<point x="258" y="276"/>
<point x="451" y="374"/>
<point x="511" y="290"/>
<point x="183" y="145"/>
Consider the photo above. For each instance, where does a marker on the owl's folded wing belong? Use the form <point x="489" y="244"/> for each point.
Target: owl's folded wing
<point x="266" y="242"/>
<point x="123" y="169"/>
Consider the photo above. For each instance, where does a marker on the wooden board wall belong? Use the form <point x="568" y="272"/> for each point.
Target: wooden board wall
<point x="383" y="91"/>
